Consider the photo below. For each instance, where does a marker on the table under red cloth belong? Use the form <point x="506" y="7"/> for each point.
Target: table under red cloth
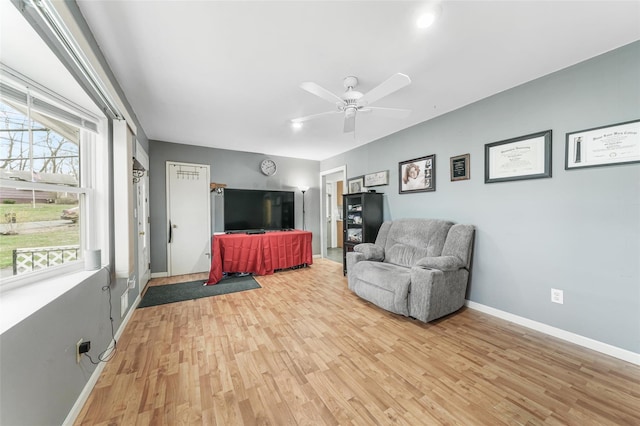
<point x="259" y="254"/>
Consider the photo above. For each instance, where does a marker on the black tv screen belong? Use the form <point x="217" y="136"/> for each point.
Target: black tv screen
<point x="250" y="209"/>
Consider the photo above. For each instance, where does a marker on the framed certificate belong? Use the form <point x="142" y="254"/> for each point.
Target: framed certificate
<point x="603" y="146"/>
<point x="525" y="157"/>
<point x="376" y="179"/>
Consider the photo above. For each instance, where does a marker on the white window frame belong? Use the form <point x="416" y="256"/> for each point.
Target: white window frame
<point x="92" y="188"/>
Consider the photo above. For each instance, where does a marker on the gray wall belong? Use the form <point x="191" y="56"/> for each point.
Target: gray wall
<point x="39" y="376"/>
<point x="578" y="231"/>
<point x="237" y="170"/>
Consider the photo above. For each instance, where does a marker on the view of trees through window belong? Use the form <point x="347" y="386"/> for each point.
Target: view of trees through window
<point x="38" y="228"/>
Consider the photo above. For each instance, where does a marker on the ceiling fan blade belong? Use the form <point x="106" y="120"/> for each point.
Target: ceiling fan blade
<point x="349" y="123"/>
<point x="321" y="92"/>
<point x="312" y="116"/>
<point x="393" y="83"/>
<point x="389" y="112"/>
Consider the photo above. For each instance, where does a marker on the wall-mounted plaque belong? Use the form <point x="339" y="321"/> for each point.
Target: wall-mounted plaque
<point x="460" y="167"/>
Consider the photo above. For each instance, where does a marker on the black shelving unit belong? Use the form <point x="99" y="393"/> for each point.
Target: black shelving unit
<point x="362" y="217"/>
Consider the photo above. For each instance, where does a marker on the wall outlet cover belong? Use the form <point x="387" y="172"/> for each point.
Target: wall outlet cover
<point x="557" y="296"/>
<point x="78" y="354"/>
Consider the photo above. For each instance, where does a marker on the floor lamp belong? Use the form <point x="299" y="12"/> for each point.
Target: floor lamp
<point x="303" y="189"/>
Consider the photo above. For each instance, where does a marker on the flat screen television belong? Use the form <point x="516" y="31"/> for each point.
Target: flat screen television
<point x="251" y="209"/>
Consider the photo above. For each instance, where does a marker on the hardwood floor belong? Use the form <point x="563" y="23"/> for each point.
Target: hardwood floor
<point x="305" y="350"/>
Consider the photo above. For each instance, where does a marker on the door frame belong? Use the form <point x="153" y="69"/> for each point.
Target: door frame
<point x="323" y="207"/>
<point x="143" y="274"/>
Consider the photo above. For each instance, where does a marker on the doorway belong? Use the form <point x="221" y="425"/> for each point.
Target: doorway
<point x="332" y="183"/>
<point x="188" y="218"/>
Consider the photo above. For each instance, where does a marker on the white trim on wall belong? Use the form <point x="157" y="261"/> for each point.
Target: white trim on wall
<point x="159" y="274"/>
<point x="322" y="195"/>
<point x="577" y="339"/>
<point x="123" y="140"/>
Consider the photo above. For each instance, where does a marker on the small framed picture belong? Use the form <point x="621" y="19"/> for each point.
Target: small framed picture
<point x="460" y="167"/>
<point x="356" y="185"/>
<point x="417" y="175"/>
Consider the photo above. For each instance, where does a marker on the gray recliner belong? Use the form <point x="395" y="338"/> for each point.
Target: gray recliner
<point x="417" y="267"/>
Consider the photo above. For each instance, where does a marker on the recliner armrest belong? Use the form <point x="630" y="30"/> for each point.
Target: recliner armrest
<point x="370" y="251"/>
<point x="442" y="263"/>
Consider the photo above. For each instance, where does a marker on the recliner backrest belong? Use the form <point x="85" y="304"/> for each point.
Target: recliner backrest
<point x="407" y="240"/>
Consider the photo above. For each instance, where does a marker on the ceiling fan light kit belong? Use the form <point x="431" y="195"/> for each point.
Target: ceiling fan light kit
<point x="352" y="101"/>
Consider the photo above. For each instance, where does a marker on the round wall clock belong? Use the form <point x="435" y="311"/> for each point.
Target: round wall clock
<point x="268" y="167"/>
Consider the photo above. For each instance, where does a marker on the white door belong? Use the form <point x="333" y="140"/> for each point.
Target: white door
<point x="188" y="218"/>
<point x="142" y="211"/>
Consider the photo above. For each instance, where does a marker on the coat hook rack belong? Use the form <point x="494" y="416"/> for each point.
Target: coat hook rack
<point x="138" y="170"/>
<point x="218" y="187"/>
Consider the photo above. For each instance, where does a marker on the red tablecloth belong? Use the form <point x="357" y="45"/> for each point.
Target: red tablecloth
<point x="260" y="254"/>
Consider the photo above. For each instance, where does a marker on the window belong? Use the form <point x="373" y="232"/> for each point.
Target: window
<point x="46" y="182"/>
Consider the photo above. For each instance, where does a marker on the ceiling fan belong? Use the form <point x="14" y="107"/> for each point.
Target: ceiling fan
<point x="352" y="102"/>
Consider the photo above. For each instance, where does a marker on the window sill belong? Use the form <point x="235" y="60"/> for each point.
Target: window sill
<point x="20" y="302"/>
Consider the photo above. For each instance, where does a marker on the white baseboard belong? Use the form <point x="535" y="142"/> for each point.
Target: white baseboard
<point x="577" y="339"/>
<point x="86" y="391"/>
<point x="159" y="274"/>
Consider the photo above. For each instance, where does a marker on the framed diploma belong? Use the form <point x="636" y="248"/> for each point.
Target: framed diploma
<point x="460" y="167"/>
<point x="526" y="157"/>
<point x="376" y="179"/>
<point x="603" y="146"/>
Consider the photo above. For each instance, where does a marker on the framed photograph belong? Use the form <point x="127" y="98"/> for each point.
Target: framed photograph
<point x="417" y="175"/>
<point x="376" y="179"/>
<point x="526" y="157"/>
<point x="356" y="185"/>
<point x="603" y="146"/>
<point x="459" y="167"/>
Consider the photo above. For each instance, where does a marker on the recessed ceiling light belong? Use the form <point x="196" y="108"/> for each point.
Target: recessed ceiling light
<point x="425" y="20"/>
<point x="428" y="16"/>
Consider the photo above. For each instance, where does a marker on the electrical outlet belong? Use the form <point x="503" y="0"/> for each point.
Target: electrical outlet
<point x="78" y="354"/>
<point x="85" y="347"/>
<point x="557" y="296"/>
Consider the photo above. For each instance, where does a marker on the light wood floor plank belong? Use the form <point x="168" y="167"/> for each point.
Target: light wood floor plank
<point x="304" y="350"/>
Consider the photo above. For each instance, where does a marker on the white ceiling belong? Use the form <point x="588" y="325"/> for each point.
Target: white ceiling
<point x="226" y="74"/>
